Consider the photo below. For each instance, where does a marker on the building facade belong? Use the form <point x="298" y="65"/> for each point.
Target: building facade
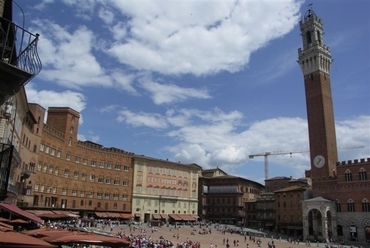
<point x="164" y="190"/>
<point x="268" y="211"/>
<point x="288" y="206"/>
<point x="223" y="198"/>
<point x="339" y="209"/>
<point x="80" y="176"/>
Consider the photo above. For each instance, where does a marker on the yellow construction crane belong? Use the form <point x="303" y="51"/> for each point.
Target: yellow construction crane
<point x="266" y="154"/>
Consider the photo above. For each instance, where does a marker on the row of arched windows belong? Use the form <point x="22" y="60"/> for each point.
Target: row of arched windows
<point x="350" y="206"/>
<point x="362" y="175"/>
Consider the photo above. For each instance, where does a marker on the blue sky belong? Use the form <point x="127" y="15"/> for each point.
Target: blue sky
<point x="207" y="82"/>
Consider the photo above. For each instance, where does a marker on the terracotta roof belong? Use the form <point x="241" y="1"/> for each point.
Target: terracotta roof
<point x="291" y="188"/>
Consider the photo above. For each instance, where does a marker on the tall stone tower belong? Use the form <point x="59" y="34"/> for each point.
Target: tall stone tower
<point x="315" y="61"/>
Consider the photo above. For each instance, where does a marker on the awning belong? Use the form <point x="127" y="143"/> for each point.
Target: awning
<point x="156" y="216"/>
<point x="16" y="210"/>
<point x="101" y="214"/>
<point x="65" y="214"/>
<point x="126" y="216"/>
<point x="42" y="212"/>
<point x="164" y="216"/>
<point x="114" y="215"/>
<point x="186" y="217"/>
<point x="175" y="217"/>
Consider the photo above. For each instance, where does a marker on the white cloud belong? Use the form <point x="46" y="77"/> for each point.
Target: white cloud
<point x="199" y="37"/>
<point x="106" y="15"/>
<point x="223" y="141"/>
<point x="67" y="57"/>
<point x="170" y="93"/>
<point x="142" y="119"/>
<point x="49" y="98"/>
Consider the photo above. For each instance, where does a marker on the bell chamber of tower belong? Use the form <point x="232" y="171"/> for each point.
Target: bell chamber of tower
<point x="315" y="55"/>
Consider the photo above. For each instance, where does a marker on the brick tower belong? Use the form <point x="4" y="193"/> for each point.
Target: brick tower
<point x="315" y="61"/>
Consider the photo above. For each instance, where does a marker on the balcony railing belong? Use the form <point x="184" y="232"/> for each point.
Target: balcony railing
<point x="19" y="59"/>
<point x="18" y="47"/>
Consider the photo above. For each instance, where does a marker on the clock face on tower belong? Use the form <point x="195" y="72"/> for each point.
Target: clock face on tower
<point x="319" y="161"/>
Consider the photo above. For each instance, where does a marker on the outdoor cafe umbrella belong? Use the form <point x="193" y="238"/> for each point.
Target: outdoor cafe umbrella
<point x="87" y="238"/>
<point x="13" y="239"/>
<point x="5" y="226"/>
<point x="17" y="221"/>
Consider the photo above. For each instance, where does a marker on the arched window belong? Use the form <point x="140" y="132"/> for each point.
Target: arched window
<point x="350" y="206"/>
<point x="365" y="205"/>
<point x="308" y="37"/>
<point x="362" y="174"/>
<point x="348" y="176"/>
<point x="337" y="203"/>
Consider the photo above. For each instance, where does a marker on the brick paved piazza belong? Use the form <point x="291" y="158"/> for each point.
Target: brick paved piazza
<point x="212" y="240"/>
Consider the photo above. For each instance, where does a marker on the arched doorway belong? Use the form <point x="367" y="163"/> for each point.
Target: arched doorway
<point x="315" y="228"/>
<point x="319" y="220"/>
<point x="367" y="234"/>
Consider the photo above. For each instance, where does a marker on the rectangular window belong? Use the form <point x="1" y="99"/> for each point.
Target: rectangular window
<point x="109" y="165"/>
<point x="102" y="164"/>
<point x="77" y="160"/>
<point x="107" y="180"/>
<point x="74" y="192"/>
<point x="52" y="151"/>
<point x="101" y="179"/>
<point x="56" y="171"/>
<point x="64" y="191"/>
<point x="66" y="173"/>
<point x="75" y="175"/>
<point x="115" y="196"/>
<point x="42" y="147"/>
<point x="84" y="161"/>
<point x="106" y="195"/>
<point x="126" y="168"/>
<point x="92" y="178"/>
<point x="58" y="154"/>
<point x="47" y="149"/>
<point x="68" y="156"/>
<point x="93" y="163"/>
<point x="124" y="197"/>
<point x="125" y="182"/>
<point x="138" y="189"/>
<point x="83" y="177"/>
<point x="39" y="166"/>
<point x="117" y="167"/>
